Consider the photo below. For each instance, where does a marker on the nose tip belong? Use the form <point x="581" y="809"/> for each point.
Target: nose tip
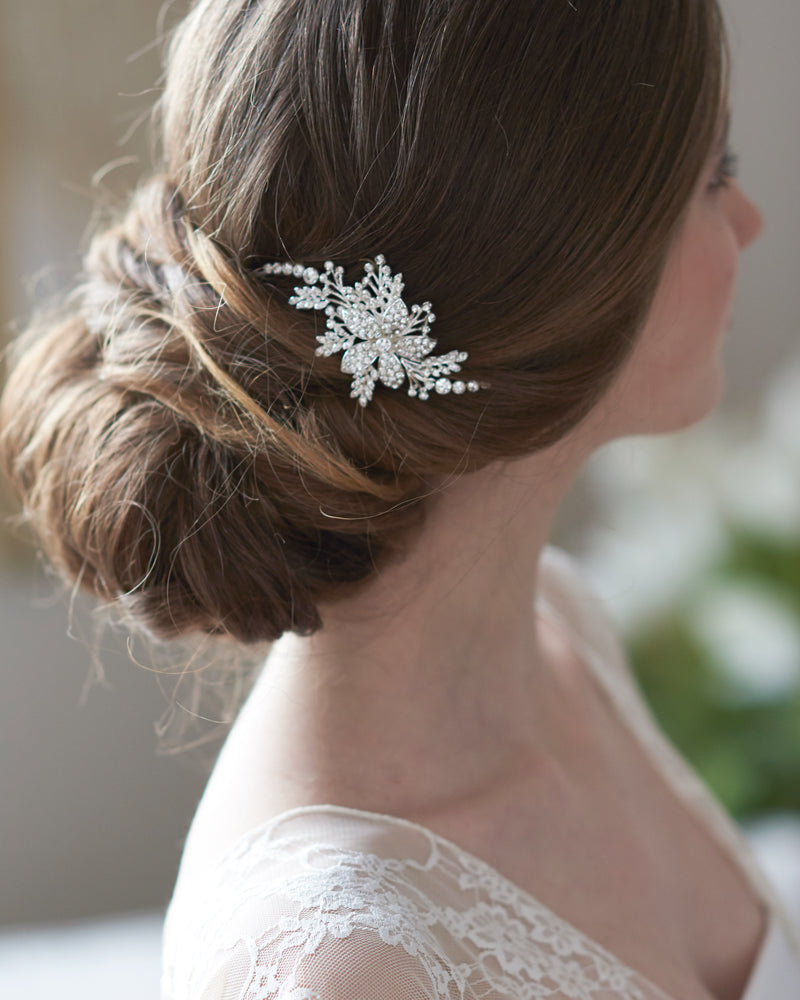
<point x="750" y="220"/>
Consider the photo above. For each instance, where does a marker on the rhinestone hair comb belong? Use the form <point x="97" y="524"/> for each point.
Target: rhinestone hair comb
<point x="382" y="339"/>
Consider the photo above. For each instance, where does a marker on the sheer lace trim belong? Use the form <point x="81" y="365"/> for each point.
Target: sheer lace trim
<point x="472" y="931"/>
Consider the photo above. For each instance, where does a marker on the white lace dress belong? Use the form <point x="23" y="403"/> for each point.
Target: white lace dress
<point x="330" y="903"/>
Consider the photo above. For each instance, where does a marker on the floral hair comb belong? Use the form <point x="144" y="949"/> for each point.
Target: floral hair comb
<point x="382" y="339"/>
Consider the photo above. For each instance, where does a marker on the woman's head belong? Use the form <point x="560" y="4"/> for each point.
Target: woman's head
<point x="176" y="440"/>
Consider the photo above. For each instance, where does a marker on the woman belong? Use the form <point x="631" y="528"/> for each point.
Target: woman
<point x="444" y="782"/>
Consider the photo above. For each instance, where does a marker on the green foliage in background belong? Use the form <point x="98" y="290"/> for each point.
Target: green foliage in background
<point x="746" y="749"/>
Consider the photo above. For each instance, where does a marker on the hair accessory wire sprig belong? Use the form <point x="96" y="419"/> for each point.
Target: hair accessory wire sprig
<point x="382" y="339"/>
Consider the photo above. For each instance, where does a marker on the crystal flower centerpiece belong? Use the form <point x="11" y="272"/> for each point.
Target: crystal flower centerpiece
<point x="380" y="337"/>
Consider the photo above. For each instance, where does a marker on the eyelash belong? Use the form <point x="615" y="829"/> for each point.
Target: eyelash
<point x="726" y="170"/>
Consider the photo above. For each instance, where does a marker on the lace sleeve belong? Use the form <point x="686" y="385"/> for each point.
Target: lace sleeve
<point x="310" y="922"/>
<point x="314" y="965"/>
<point x="325" y="903"/>
<point x="363" y="966"/>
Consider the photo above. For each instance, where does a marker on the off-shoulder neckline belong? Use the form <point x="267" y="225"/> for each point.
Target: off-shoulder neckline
<point x="596" y="672"/>
<point x="466" y="859"/>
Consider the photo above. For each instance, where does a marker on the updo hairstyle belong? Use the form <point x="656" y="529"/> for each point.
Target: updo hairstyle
<point x="177" y="445"/>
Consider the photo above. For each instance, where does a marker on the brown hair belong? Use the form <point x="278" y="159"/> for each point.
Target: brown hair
<point x="177" y="444"/>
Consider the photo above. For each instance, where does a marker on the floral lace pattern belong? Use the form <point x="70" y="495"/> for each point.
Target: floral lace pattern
<point x="471" y="932"/>
<point x="330" y="903"/>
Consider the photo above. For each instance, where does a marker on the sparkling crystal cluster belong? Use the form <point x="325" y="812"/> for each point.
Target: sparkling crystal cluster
<point x="381" y="338"/>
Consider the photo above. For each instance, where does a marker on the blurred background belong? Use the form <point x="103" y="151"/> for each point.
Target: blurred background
<point x="693" y="540"/>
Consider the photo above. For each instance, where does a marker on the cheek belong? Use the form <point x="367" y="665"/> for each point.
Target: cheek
<point x="674" y="378"/>
<point x="691" y="312"/>
<point x="706" y="285"/>
<point x="685" y="381"/>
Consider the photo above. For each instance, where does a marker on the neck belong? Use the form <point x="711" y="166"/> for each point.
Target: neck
<point x="439" y="673"/>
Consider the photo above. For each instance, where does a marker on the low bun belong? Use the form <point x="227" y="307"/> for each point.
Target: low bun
<point x="148" y="458"/>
